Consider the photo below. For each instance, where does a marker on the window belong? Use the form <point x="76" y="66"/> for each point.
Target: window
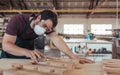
<point x="101" y="28"/>
<point x="73" y="29"/>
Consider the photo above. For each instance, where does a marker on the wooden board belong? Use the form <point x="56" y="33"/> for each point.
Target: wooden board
<point x="28" y="69"/>
<point x="46" y="68"/>
<point x="1" y="72"/>
<point x="111" y="61"/>
<point x="52" y="66"/>
<point x="24" y="72"/>
<point x="65" y="60"/>
<point x="86" y="69"/>
<point x="111" y="66"/>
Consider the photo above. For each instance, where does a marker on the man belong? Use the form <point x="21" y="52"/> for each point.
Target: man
<point x="18" y="41"/>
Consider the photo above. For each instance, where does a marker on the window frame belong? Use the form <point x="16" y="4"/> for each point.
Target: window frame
<point x="71" y="29"/>
<point x="104" y="30"/>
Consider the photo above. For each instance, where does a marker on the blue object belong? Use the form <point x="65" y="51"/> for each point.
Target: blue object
<point x="88" y="36"/>
<point x="75" y="49"/>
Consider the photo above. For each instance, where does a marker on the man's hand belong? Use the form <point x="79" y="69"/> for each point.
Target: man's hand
<point x="34" y="55"/>
<point x="84" y="60"/>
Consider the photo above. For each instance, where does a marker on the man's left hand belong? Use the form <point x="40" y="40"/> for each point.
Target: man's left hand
<point x="84" y="60"/>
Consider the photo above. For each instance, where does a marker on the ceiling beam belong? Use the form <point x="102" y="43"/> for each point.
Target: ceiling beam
<point x="98" y="4"/>
<point x="2" y="14"/>
<point x="55" y="6"/>
<point x="20" y="4"/>
<point x="62" y="10"/>
<point x="91" y="6"/>
<point x="2" y="4"/>
<point x="24" y="4"/>
<point x="11" y="4"/>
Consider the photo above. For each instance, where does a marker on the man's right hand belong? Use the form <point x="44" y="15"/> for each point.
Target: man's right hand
<point x="34" y="55"/>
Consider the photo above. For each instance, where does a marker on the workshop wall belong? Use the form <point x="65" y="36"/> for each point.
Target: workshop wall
<point x="85" y="21"/>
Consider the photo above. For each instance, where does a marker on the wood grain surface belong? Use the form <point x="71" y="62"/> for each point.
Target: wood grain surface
<point x="111" y="66"/>
<point x="28" y="69"/>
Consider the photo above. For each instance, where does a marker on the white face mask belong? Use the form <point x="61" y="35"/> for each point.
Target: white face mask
<point x="39" y="30"/>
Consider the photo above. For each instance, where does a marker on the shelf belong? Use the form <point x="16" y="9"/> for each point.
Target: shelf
<point x="87" y="41"/>
<point x="89" y="44"/>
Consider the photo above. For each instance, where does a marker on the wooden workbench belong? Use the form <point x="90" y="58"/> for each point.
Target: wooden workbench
<point x="86" y="69"/>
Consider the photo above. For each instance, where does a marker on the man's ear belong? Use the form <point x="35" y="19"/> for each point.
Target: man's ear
<point x="38" y="18"/>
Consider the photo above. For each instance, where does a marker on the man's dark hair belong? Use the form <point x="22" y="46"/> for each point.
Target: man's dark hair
<point x="48" y="14"/>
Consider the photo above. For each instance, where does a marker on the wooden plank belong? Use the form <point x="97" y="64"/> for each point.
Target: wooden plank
<point x="57" y="68"/>
<point x="53" y="64"/>
<point x="24" y="72"/>
<point x="7" y="63"/>
<point x="1" y="72"/>
<point x="111" y="61"/>
<point x="45" y="69"/>
<point x="113" y="74"/>
<point x="83" y="72"/>
<point x="65" y="60"/>
<point x="112" y="70"/>
<point x="30" y="69"/>
<point x="111" y="67"/>
<point x="86" y="69"/>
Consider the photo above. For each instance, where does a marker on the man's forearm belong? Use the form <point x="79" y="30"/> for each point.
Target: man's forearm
<point x="64" y="48"/>
<point x="13" y="49"/>
<point x="61" y="45"/>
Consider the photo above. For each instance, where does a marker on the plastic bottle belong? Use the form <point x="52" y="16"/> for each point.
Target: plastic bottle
<point x="88" y="36"/>
<point x="75" y="49"/>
